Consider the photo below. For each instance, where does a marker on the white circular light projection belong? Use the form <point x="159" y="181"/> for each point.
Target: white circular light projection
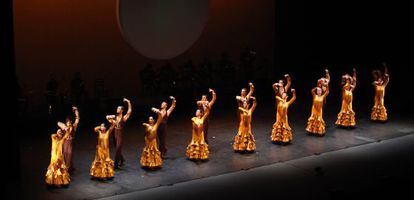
<point x="162" y="29"/>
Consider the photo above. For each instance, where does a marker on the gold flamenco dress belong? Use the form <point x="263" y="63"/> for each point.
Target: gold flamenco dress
<point x="57" y="172"/>
<point x="244" y="140"/>
<point x="379" y="112"/>
<point x="151" y="155"/>
<point x="316" y="124"/>
<point x="281" y="132"/>
<point x="103" y="166"/>
<point x="198" y="148"/>
<point x="346" y="117"/>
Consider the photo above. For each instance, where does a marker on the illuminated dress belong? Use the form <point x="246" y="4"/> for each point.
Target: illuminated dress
<point x="379" y="112"/>
<point x="244" y="140"/>
<point x="103" y="166"/>
<point x="316" y="124"/>
<point x="346" y="117"/>
<point x="57" y="172"/>
<point x="281" y="132"/>
<point x="198" y="148"/>
<point x="151" y="155"/>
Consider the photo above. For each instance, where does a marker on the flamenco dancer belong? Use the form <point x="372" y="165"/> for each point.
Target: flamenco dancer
<point x="244" y="96"/>
<point x="120" y="121"/>
<point x="197" y="150"/>
<point x="244" y="140"/>
<point x="162" y="128"/>
<point x="57" y="173"/>
<point x="346" y="117"/>
<point x="202" y="106"/>
<point x="316" y="124"/>
<point x="70" y="129"/>
<point x="151" y="155"/>
<point x="281" y="132"/>
<point x="379" y="112"/>
<point x="324" y="81"/>
<point x="103" y="166"/>
<point x="280" y="86"/>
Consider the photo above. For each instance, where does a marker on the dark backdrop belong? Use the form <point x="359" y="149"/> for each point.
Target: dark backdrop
<point x="343" y="34"/>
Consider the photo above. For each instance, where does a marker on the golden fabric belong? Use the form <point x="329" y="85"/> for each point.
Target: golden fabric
<point x="244" y="140"/>
<point x="379" y="112"/>
<point x="281" y="131"/>
<point x="151" y="155"/>
<point x="346" y="116"/>
<point x="316" y="124"/>
<point x="103" y="165"/>
<point x="198" y="148"/>
<point x="57" y="172"/>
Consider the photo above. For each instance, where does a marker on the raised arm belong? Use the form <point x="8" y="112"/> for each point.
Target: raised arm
<point x="313" y="91"/>
<point x="275" y="88"/>
<point x="238" y="98"/>
<point x="327" y="76"/>
<point x="206" y="113"/>
<point x="254" y="105"/>
<point x="96" y="129"/>
<point x="251" y="90"/>
<point x="62" y="126"/>
<point x="75" y="124"/>
<point x="146" y="125"/>
<point x="155" y="110"/>
<point x="111" y="128"/>
<point x="354" y="78"/>
<point x="288" y="82"/>
<point x="213" y="99"/>
<point x="386" y="79"/>
<point x="293" y="97"/>
<point x="159" y="118"/>
<point x="128" y="114"/>
<point x="200" y="103"/>
<point x="326" y="92"/>
<point x="169" y="111"/>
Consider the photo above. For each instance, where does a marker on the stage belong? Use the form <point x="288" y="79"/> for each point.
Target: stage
<point x="132" y="179"/>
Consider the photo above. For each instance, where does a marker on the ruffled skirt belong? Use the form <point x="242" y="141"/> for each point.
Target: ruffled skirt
<point x="57" y="174"/>
<point x="151" y="158"/>
<point x="346" y="119"/>
<point x="281" y="132"/>
<point x="379" y="113"/>
<point x="316" y="126"/>
<point x="102" y="167"/>
<point x="197" y="151"/>
<point x="244" y="142"/>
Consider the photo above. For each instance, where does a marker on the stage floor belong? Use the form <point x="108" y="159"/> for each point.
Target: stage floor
<point x="35" y="154"/>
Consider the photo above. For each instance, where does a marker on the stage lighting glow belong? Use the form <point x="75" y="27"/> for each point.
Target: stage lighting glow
<point x="162" y="29"/>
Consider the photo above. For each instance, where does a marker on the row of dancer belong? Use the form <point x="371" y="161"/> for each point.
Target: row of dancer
<point x="156" y="130"/>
